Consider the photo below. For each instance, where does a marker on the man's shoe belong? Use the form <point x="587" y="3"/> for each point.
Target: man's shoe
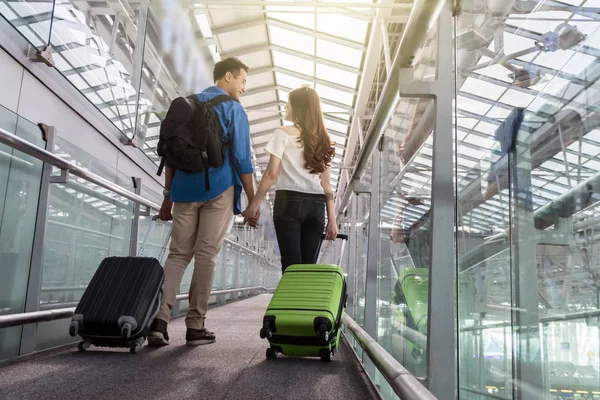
<point x="158" y="335"/>
<point x="196" y="337"/>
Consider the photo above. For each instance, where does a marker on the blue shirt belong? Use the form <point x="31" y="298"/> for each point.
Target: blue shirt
<point x="190" y="187"/>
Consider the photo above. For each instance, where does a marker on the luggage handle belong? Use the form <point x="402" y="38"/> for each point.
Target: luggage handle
<point x="344" y="238"/>
<point x="147" y="236"/>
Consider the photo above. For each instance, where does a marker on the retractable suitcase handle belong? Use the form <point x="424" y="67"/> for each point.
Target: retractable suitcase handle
<point x="147" y="236"/>
<point x="344" y="238"/>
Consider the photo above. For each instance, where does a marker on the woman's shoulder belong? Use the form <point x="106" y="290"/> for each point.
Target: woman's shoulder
<point x="290" y="130"/>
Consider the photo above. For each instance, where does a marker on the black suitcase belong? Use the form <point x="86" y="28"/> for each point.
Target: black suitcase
<point x="120" y="302"/>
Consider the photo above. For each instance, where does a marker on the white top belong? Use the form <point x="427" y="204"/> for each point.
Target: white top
<point x="292" y="175"/>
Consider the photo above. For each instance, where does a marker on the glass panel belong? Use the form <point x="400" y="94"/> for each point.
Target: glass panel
<point x="342" y="26"/>
<point x="405" y="241"/>
<point x="31" y="18"/>
<point x="86" y="223"/>
<point x="293" y="63"/>
<point x="96" y="53"/>
<point x="20" y="177"/>
<point x="339" y="53"/>
<point x="336" y="75"/>
<point x="292" y="40"/>
<point x="529" y="298"/>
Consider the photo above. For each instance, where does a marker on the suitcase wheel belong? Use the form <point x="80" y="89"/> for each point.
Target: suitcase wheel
<point x="272" y="353"/>
<point x="135" y="348"/>
<point x="74" y="328"/>
<point x="83" y="346"/>
<point x="126" y="330"/>
<point x="323" y="334"/>
<point x="326" y="355"/>
<point x="266" y="333"/>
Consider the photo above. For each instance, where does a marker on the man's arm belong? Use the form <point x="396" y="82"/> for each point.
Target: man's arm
<point x="165" y="209"/>
<point x="248" y="184"/>
<point x="169" y="173"/>
<point x="241" y="150"/>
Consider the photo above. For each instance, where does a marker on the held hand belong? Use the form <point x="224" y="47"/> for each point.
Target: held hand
<point x="251" y="215"/>
<point x="331" y="231"/>
<point x="165" y="210"/>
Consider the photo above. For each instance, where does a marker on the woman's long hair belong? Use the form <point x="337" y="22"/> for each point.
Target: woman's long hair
<point x="307" y="116"/>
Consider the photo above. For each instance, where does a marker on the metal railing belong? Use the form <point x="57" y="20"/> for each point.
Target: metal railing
<point x="47" y="157"/>
<point x="404" y="384"/>
<point x="34" y="317"/>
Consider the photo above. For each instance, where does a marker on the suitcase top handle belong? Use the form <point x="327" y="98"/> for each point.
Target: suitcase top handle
<point x="342" y="236"/>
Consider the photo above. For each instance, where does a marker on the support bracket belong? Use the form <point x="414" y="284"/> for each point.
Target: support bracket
<point x="41" y="56"/>
<point x="62" y="178"/>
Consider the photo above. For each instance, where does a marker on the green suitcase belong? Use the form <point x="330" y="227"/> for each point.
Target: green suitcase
<point x="305" y="313"/>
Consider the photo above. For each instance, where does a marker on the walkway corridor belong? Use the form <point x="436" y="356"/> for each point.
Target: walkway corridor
<point x="233" y="368"/>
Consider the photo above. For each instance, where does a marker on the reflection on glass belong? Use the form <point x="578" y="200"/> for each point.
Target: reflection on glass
<point x="529" y="292"/>
<point x="32" y="19"/>
<point x="405" y="236"/>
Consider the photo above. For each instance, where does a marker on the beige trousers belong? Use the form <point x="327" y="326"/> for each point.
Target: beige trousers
<point x="199" y="229"/>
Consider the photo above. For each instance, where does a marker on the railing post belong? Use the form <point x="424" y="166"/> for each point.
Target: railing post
<point x="34" y="286"/>
<point x="373" y="251"/>
<point x="222" y="273"/>
<point x="236" y="274"/>
<point x="527" y="345"/>
<point x="441" y="343"/>
<point x="135" y="222"/>
<point x="352" y="254"/>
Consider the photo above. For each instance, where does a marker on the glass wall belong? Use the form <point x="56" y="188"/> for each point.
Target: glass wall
<point x="20" y="177"/>
<point x="527" y="163"/>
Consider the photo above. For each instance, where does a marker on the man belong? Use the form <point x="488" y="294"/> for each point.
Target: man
<point x="200" y="217"/>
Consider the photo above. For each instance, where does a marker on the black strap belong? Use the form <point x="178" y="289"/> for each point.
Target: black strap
<point x="161" y="166"/>
<point x="206" y="180"/>
<point x="215" y="101"/>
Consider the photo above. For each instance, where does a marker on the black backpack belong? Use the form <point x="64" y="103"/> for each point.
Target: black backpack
<point x="190" y="136"/>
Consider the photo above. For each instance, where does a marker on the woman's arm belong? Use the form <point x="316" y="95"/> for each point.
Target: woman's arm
<point x="266" y="182"/>
<point x="331" y="231"/>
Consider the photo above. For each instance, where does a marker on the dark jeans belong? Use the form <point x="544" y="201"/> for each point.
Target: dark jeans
<point x="299" y="224"/>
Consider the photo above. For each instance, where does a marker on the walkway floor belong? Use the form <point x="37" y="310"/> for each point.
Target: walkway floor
<point x="233" y="368"/>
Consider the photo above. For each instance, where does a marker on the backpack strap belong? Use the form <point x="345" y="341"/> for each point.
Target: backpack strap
<point x="161" y="166"/>
<point x="215" y="101"/>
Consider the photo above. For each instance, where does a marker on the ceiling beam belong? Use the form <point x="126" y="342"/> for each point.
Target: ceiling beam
<point x="323" y="82"/>
<point x="237" y="27"/>
<point x="266" y="47"/>
<point x="316" y="34"/>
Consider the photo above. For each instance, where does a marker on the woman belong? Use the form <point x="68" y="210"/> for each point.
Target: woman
<point x="300" y="157"/>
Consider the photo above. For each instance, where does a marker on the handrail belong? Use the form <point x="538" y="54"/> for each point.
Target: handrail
<point x="404" y="384"/>
<point x="547" y="319"/>
<point x="422" y="17"/>
<point x="47" y="157"/>
<point x="20" y="319"/>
